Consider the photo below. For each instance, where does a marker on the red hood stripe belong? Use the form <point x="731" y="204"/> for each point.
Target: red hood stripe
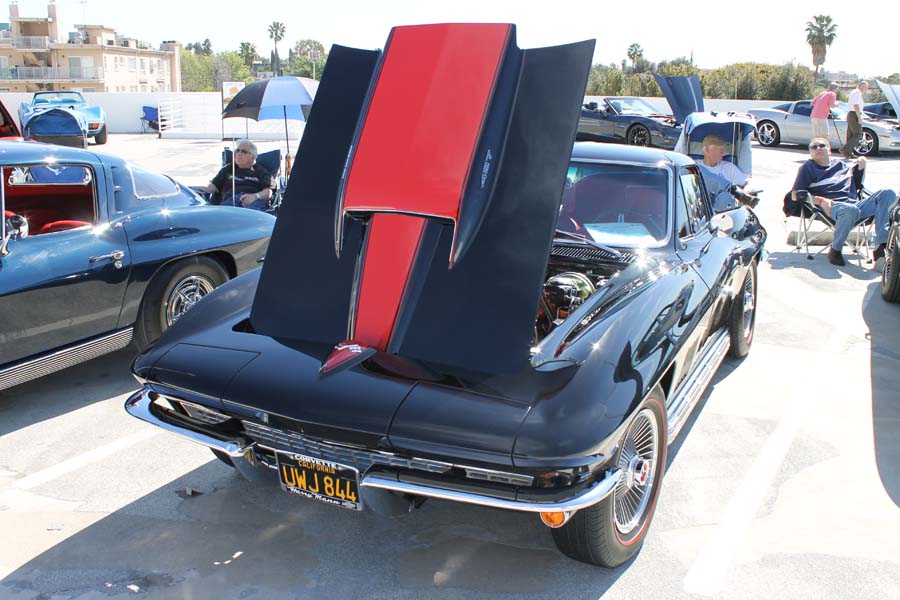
<point x="391" y="245"/>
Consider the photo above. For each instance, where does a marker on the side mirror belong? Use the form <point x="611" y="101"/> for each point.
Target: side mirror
<point x="721" y="224"/>
<point x="16" y="228"/>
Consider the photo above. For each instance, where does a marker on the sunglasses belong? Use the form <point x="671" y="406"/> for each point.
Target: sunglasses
<point x="817" y="146"/>
<point x="242" y="151"/>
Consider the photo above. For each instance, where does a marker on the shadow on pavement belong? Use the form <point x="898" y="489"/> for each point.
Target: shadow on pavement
<point x="237" y="540"/>
<point x="883" y="320"/>
<point x="854" y="268"/>
<point x="66" y="390"/>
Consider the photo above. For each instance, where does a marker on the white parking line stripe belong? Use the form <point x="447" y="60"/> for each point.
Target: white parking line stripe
<point x="707" y="575"/>
<point x="76" y="462"/>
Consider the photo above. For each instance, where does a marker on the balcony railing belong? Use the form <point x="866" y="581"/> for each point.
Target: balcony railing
<point x="25" y="42"/>
<point x="51" y="73"/>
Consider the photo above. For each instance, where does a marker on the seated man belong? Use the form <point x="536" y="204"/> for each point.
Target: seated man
<point x="830" y="184"/>
<point x="720" y="175"/>
<point x="245" y="183"/>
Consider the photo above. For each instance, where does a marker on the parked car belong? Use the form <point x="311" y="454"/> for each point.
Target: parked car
<point x="791" y="123"/>
<point x="92" y="118"/>
<point x="890" y="275"/>
<point x="59" y="126"/>
<point x="627" y="120"/>
<point x="880" y="111"/>
<point x="97" y="251"/>
<point x="645" y="292"/>
<point x="8" y="127"/>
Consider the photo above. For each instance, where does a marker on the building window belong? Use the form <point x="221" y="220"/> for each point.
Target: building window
<point x="132" y="64"/>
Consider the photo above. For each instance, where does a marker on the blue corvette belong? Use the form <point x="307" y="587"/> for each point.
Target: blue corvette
<point x="96" y="252"/>
<point x="91" y="118"/>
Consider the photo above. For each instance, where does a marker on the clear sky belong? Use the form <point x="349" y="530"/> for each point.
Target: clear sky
<point x="717" y="33"/>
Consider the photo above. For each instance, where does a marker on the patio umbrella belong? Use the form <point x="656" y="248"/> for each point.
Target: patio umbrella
<point x="275" y="98"/>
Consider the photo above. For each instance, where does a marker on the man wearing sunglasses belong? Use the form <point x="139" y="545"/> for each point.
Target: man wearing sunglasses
<point x="832" y="184"/>
<point x="242" y="182"/>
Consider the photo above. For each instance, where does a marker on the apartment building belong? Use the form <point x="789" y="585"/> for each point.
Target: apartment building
<point x="94" y="58"/>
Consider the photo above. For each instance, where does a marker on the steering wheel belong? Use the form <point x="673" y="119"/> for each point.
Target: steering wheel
<point x="629" y="215"/>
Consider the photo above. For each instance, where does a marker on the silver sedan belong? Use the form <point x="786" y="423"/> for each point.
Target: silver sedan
<point x="790" y="123"/>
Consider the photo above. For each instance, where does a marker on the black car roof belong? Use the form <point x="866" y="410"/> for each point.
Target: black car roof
<point x="621" y="152"/>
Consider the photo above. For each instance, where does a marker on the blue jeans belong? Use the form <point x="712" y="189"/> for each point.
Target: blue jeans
<point x="846" y="214"/>
<point x="236" y="201"/>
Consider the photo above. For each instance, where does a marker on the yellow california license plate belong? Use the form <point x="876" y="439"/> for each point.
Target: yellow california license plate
<point x="321" y="480"/>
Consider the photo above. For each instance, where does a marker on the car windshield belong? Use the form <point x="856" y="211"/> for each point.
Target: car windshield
<point x="58" y="98"/>
<point x="617" y="205"/>
<point x="633" y="106"/>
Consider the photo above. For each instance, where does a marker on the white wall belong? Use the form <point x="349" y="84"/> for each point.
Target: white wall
<point x="202" y="110"/>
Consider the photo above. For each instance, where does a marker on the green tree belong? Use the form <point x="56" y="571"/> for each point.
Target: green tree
<point x="276" y="34"/>
<point x="247" y="53"/>
<point x="308" y="58"/>
<point x="196" y="72"/>
<point x="820" y="33"/>
<point x="228" y="66"/>
<point x="634" y="53"/>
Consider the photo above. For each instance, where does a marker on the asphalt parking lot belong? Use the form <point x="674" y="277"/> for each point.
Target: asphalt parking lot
<point x="784" y="484"/>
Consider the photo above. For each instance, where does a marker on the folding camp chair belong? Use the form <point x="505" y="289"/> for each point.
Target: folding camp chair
<point x="808" y="213"/>
<point x="150" y="119"/>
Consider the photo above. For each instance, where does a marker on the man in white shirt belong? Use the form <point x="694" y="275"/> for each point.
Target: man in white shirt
<point x="854" y="120"/>
<point x="725" y="174"/>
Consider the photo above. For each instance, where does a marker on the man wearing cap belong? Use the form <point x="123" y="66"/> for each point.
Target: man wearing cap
<point x="720" y="175"/>
<point x="821" y="108"/>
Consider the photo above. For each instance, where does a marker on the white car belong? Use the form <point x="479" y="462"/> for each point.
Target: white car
<point x="790" y="123"/>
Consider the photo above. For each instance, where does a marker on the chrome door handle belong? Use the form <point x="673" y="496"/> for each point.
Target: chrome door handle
<point x="116" y="256"/>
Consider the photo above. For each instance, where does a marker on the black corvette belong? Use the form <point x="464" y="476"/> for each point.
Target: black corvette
<point x="590" y="297"/>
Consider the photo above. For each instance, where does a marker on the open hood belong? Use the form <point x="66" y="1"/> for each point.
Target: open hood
<point x="420" y="213"/>
<point x="892" y="92"/>
<point x="683" y="93"/>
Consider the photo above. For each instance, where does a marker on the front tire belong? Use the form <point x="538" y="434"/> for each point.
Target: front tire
<point x="172" y="292"/>
<point x="767" y="134"/>
<point x="612" y="531"/>
<point x="742" y="320"/>
<point x="100" y="138"/>
<point x="868" y="143"/>
<point x="890" y="275"/>
<point x="638" y="135"/>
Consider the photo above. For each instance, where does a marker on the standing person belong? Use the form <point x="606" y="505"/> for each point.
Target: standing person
<point x="830" y="184"/>
<point x="822" y="105"/>
<point x="854" y="120"/>
<point x="245" y="183"/>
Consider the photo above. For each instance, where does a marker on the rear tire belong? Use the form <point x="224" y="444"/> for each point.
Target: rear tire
<point x="890" y="275"/>
<point x="100" y="138"/>
<point x="638" y="135"/>
<point x="172" y="291"/>
<point x="767" y="133"/>
<point x="742" y="320"/>
<point x="612" y="531"/>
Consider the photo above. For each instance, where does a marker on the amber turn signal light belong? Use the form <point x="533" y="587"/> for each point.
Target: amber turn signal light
<point x="555" y="519"/>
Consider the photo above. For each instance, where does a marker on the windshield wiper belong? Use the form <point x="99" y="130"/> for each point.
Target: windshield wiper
<point x="592" y="242"/>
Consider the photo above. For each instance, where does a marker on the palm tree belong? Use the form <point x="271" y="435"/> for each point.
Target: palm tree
<point x="634" y="52"/>
<point x="820" y="33"/>
<point x="248" y="53"/>
<point x="276" y="33"/>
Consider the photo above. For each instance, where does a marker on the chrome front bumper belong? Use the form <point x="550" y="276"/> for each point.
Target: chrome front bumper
<point x="138" y="405"/>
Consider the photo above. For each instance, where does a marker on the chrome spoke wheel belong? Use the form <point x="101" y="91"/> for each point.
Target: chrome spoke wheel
<point x="186" y="294"/>
<point x="638" y="462"/>
<point x="749" y="304"/>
